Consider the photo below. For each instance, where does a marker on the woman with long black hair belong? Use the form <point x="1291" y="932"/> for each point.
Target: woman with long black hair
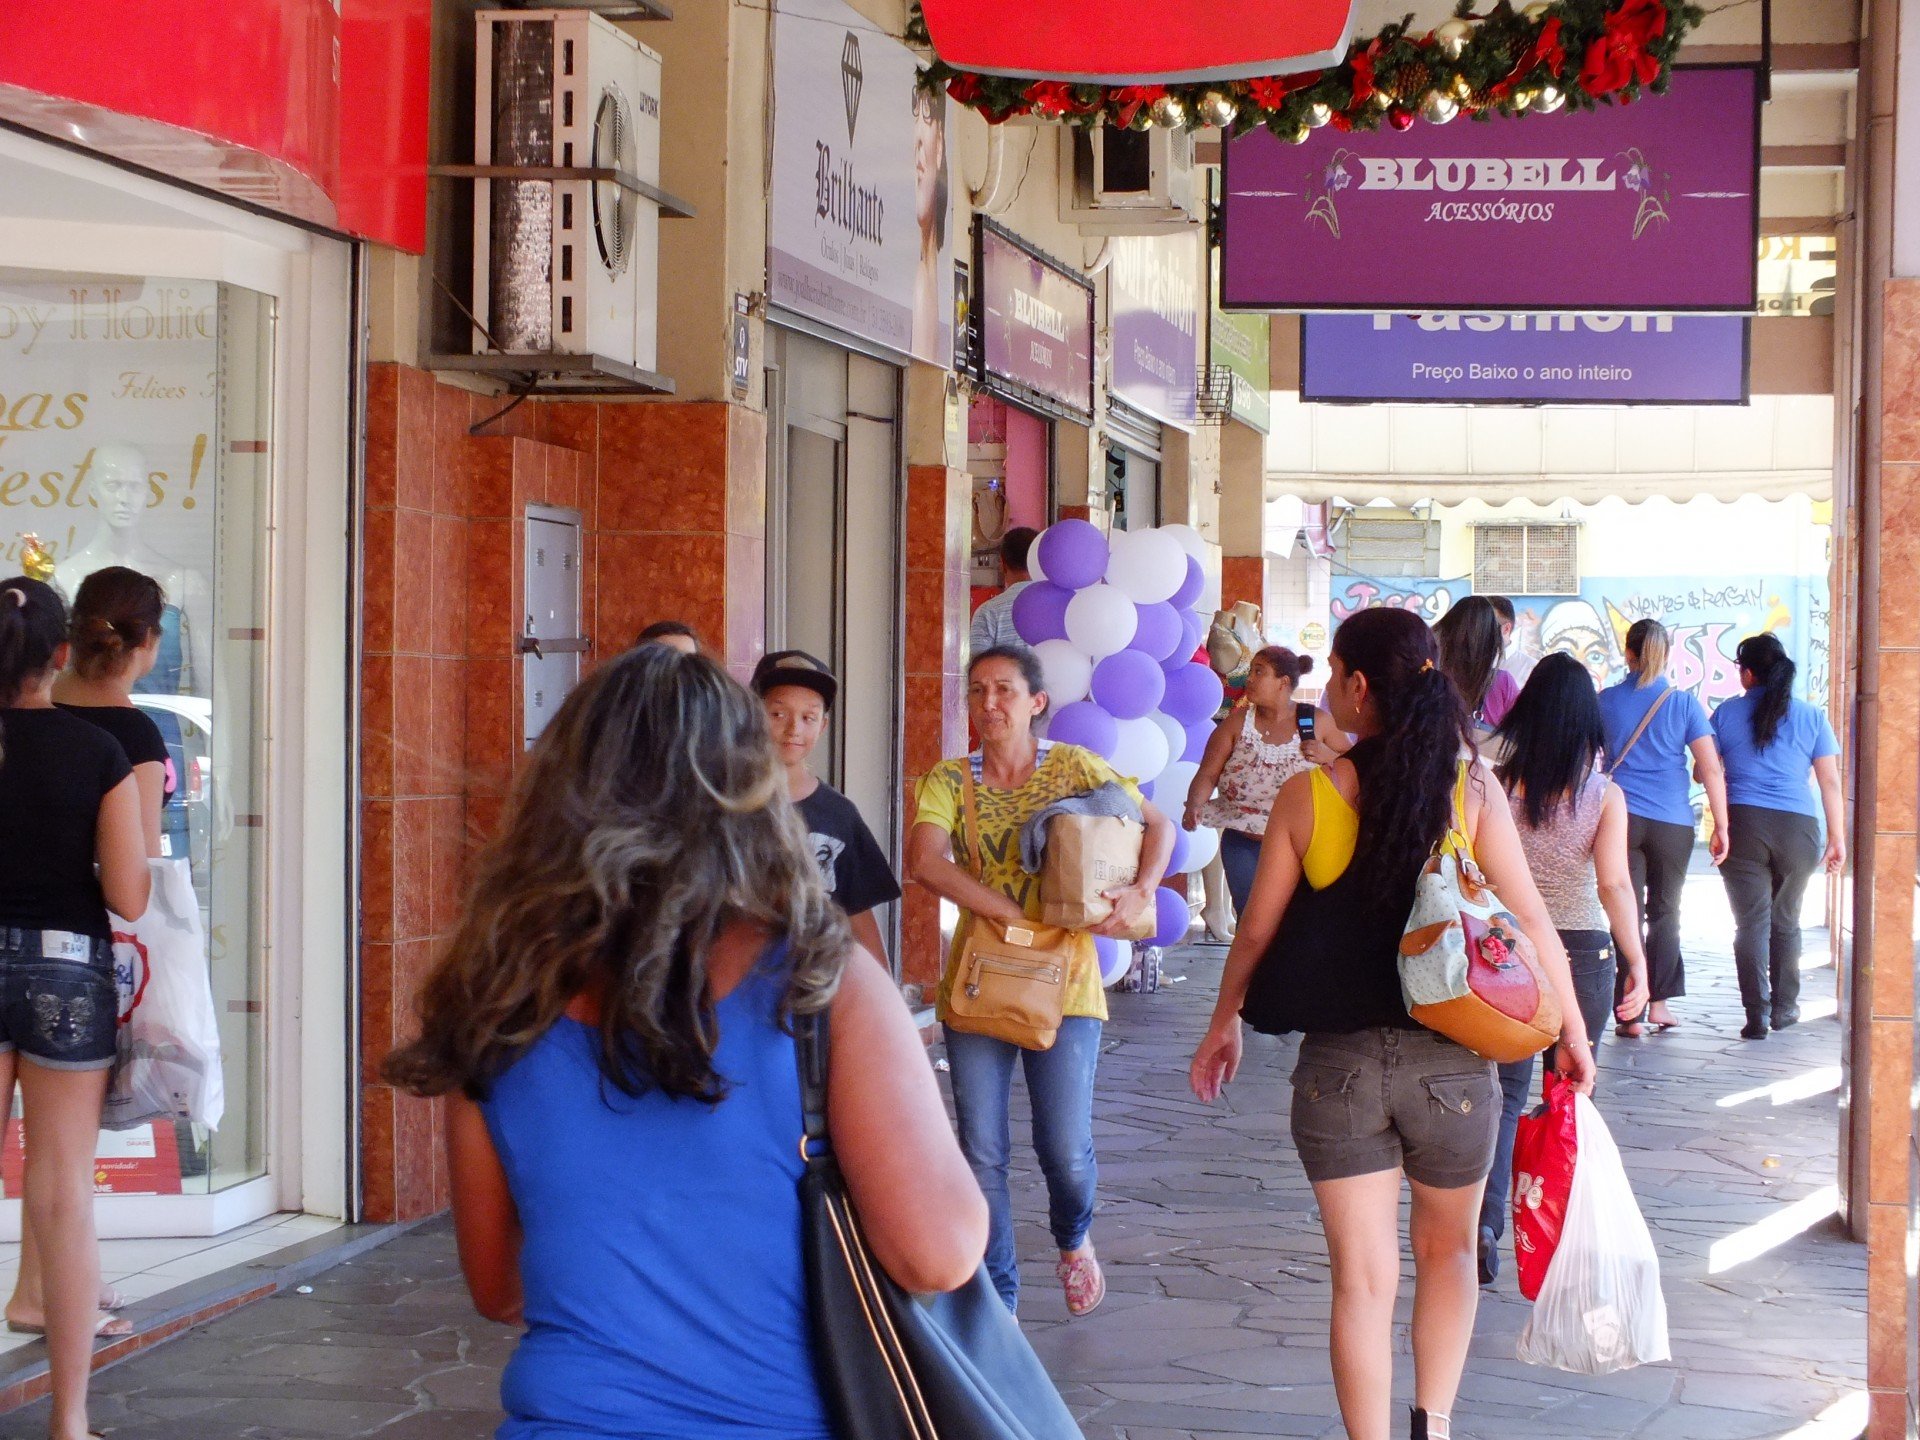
<point x="1770" y="743"/>
<point x="1573" y="829"/>
<point x="1375" y="1094"/>
<point x="1471" y="647"/>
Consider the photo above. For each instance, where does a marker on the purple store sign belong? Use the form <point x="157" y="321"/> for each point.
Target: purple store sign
<point x="1036" y="323"/>
<point x="1652" y="206"/>
<point x="1526" y="359"/>
<point x="1154" y="311"/>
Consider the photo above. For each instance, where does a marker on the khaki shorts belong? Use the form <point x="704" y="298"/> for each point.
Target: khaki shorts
<point x="1393" y="1099"/>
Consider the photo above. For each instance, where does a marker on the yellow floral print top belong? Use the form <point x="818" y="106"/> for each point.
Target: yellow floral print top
<point x="1063" y="770"/>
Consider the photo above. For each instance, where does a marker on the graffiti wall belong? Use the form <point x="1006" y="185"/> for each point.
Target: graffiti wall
<point x="1709" y="617"/>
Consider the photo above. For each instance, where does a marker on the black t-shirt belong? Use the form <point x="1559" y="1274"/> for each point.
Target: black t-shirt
<point x="54" y="771"/>
<point x="135" y="730"/>
<point x="850" y="859"/>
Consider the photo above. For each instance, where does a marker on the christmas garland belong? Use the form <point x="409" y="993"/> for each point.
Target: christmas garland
<point x="1573" y="53"/>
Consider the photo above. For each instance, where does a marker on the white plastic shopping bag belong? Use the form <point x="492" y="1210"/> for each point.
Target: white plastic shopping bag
<point x="1600" y="1307"/>
<point x="169" y="1053"/>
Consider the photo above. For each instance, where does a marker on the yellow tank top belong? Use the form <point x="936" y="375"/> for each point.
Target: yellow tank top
<point x="1336" y="828"/>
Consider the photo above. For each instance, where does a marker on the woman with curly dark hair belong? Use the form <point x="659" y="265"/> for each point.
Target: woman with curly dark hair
<point x="610" y="1026"/>
<point x="1375" y="1094"/>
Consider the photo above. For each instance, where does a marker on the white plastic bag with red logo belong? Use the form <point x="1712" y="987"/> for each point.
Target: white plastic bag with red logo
<point x="168" y="1063"/>
<point x="1598" y="1306"/>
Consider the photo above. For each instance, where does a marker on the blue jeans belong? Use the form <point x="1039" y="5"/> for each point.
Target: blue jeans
<point x="1239" y="857"/>
<point x="1590" y="956"/>
<point x="1060" y="1088"/>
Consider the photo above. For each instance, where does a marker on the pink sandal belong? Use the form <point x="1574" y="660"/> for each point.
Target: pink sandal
<point x="1085" y="1284"/>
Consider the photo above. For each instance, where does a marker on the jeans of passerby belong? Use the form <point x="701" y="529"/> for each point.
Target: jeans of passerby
<point x="1590" y="956"/>
<point x="1771" y="856"/>
<point x="1060" y="1090"/>
<point x="1240" y="857"/>
<point x="1657" y="856"/>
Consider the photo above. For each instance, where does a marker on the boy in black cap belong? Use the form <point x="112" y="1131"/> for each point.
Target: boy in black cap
<point x="799" y="692"/>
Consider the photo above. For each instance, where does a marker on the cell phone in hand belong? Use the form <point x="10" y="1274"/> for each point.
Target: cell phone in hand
<point x="1304" y="714"/>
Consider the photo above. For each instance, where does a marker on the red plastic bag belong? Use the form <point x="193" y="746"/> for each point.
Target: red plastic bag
<point x="1545" y="1147"/>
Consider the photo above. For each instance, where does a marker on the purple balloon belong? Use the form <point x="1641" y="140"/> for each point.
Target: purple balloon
<point x="1159" y="632"/>
<point x="1178" y="863"/>
<point x="1172" y="916"/>
<point x="1198" y="734"/>
<point x="1191" y="588"/>
<point x="1191" y="629"/>
<point x="1074" y="554"/>
<point x="1085" y="724"/>
<point x="1040" y="612"/>
<point x="1107" y="950"/>
<point x="1193" y="694"/>
<point x="1145" y="788"/>
<point x="1128" y="686"/>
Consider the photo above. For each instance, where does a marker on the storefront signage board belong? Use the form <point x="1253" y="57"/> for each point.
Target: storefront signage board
<point x="1153" y="312"/>
<point x="1652" y="206"/>
<point x="858" y="234"/>
<point x="1241" y="345"/>
<point x="1036" y="323"/>
<point x="1526" y="359"/>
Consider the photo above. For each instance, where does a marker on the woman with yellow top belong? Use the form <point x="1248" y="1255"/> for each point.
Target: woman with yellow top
<point x="1015" y="776"/>
<point x="1374" y="1093"/>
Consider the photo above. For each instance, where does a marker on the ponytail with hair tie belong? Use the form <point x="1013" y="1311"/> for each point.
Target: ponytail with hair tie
<point x="1765" y="658"/>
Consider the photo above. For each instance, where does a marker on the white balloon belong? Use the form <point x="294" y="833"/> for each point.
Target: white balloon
<point x="1069" y="674"/>
<point x="1101" y="621"/>
<point x="1174" y="782"/>
<point x="1147" y="566"/>
<point x="1033" y="561"/>
<point x="1142" y="752"/>
<point x="1202" y="845"/>
<point x="1173" y="730"/>
<point x="1188" y="539"/>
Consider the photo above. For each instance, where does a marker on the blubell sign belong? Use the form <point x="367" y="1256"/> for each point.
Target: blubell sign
<point x="1652" y="206"/>
<point x="1526" y="359"/>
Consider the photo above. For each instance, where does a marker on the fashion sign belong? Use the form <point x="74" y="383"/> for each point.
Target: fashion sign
<point x="1652" y="206"/>
<point x="1153" y="310"/>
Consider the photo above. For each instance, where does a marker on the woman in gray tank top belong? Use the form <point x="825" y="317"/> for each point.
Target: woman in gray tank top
<point x="1573" y="827"/>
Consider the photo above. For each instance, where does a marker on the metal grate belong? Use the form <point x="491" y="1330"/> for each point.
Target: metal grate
<point x="1389" y="543"/>
<point x="1527" y="559"/>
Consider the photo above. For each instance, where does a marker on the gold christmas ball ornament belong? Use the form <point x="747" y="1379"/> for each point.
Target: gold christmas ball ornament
<point x="1383" y="98"/>
<point x="1298" y="135"/>
<point x="1318" y="115"/>
<point x="1217" y="109"/>
<point x="1437" y="109"/>
<point x="1548" y="100"/>
<point x="1452" y="37"/>
<point x="1462" y="90"/>
<point x="1170" y="111"/>
<point x="1538" y="11"/>
<point x="1523" y="100"/>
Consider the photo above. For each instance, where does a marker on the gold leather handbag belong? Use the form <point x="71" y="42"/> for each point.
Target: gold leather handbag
<point x="1010" y="981"/>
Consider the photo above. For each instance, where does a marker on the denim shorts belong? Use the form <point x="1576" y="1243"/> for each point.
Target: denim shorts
<point x="58" y="1003"/>
<point x="1394" y="1099"/>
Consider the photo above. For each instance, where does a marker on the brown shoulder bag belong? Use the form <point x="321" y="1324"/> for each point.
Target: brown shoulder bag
<point x="1011" y="979"/>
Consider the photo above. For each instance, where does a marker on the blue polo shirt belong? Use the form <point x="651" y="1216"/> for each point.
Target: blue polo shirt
<point x="1657" y="774"/>
<point x="1780" y="777"/>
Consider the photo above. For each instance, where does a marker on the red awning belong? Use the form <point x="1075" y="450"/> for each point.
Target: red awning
<point x="1139" y="41"/>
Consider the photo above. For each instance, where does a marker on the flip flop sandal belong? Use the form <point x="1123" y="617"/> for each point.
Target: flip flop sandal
<point x="111" y="1299"/>
<point x="1084" y="1282"/>
<point x="102" y="1328"/>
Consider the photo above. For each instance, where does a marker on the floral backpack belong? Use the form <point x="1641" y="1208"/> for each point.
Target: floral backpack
<point x="1466" y="970"/>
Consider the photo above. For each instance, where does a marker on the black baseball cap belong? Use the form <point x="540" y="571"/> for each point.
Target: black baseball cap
<point x="794" y="667"/>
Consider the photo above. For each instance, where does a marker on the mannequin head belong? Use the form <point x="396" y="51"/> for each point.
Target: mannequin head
<point x="117" y="483"/>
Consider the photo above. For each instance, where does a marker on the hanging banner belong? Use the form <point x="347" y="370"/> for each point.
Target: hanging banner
<point x="1121" y="42"/>
<point x="1526" y="359"/>
<point x="1241" y="345"/>
<point x="858" y="220"/>
<point x="1036" y="324"/>
<point x="1646" y="207"/>
<point x="1153" y="314"/>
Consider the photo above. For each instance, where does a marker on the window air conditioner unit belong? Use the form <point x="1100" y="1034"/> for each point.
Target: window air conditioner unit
<point x="563" y="265"/>
<point x="1129" y="182"/>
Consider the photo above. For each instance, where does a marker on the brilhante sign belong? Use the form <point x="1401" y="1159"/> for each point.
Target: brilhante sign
<point x="1455" y="359"/>
<point x="1652" y="206"/>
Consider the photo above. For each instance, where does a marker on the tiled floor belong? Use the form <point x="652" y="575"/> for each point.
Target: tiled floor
<point x="141" y="1269"/>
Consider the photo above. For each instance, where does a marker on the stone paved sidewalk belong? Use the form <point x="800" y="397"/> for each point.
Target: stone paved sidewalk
<point x="1215" y="1322"/>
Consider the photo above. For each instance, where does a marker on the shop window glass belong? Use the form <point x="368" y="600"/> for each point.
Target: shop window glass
<point x="135" y="427"/>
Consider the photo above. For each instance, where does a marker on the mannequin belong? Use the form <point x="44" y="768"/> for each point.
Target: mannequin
<point x="117" y="485"/>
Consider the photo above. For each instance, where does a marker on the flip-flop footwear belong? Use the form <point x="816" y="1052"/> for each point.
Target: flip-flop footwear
<point x="102" y="1328"/>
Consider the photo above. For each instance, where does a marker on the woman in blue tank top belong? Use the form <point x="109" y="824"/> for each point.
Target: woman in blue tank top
<point x="623" y="1127"/>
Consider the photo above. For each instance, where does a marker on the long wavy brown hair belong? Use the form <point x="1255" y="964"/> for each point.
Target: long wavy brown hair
<point x="650" y="815"/>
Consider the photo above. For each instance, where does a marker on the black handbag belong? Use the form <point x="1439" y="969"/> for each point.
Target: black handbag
<point x="893" y="1365"/>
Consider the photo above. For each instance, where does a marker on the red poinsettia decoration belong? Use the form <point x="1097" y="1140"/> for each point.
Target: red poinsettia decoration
<point x="1270" y="91"/>
<point x="1053" y="98"/>
<point x="1620" y="57"/>
<point x="1129" y="100"/>
<point x="1363" y="83"/>
<point x="1545" y="50"/>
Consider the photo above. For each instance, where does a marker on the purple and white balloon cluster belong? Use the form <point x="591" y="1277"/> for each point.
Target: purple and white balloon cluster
<point x="1113" y="623"/>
